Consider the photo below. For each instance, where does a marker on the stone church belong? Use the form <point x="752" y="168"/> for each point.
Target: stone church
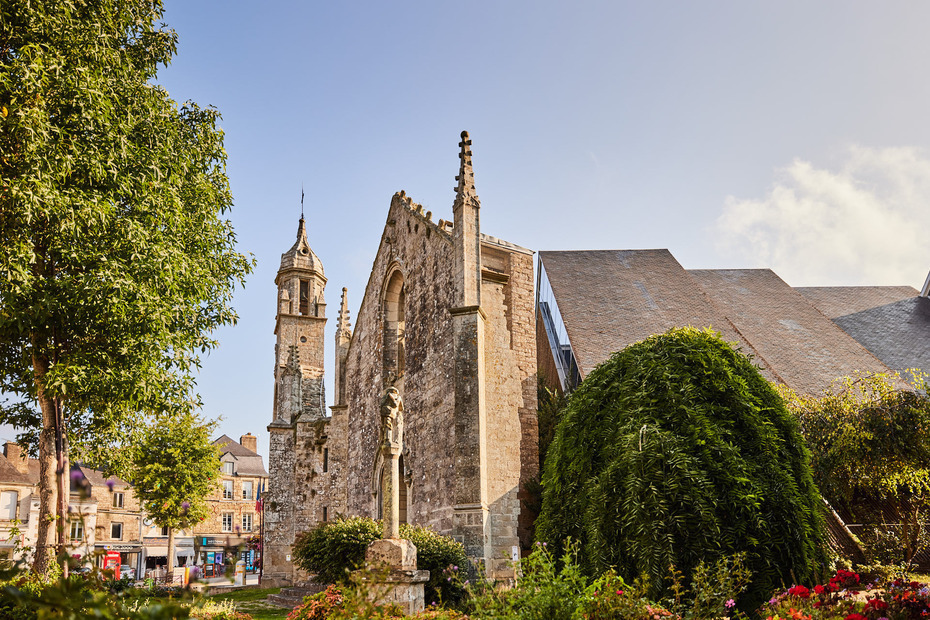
<point x="447" y="319"/>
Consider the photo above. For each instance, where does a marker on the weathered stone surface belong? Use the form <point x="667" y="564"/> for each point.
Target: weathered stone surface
<point x="447" y="320"/>
<point x="395" y="553"/>
<point x="403" y="588"/>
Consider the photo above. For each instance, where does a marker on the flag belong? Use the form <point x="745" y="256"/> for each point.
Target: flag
<point x="258" y="498"/>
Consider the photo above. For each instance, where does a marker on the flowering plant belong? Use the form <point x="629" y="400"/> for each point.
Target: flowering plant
<point x="844" y="597"/>
<point x="319" y="606"/>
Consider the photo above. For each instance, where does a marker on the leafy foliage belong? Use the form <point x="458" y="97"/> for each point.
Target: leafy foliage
<point x="30" y="597"/>
<point x="869" y="437"/>
<point x="319" y="606"/>
<point x="544" y="590"/>
<point x="676" y="451"/>
<point x="332" y="550"/>
<point x="117" y="264"/>
<point x="174" y="467"/>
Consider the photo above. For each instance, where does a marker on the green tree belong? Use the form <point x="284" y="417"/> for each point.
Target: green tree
<point x="174" y="467"/>
<point x="117" y="264"/>
<point x="869" y="437"/>
<point x="677" y="451"/>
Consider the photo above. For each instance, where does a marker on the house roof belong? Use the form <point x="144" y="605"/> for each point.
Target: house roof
<point x="248" y="463"/>
<point x="96" y="478"/>
<point x="10" y="475"/>
<point x="890" y="321"/>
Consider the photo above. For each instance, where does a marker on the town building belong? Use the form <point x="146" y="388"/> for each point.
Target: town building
<point x="106" y="519"/>
<point x="235" y="517"/>
<point x="447" y="320"/>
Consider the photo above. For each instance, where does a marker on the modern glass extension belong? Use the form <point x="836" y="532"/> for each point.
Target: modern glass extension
<point x="562" y="353"/>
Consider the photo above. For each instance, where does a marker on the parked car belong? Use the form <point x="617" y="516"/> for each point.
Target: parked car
<point x="127" y="571"/>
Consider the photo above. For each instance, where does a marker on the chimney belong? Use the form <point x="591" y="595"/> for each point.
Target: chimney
<point x="14" y="454"/>
<point x="249" y="442"/>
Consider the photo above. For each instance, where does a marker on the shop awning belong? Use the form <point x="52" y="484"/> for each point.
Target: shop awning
<point x="162" y="552"/>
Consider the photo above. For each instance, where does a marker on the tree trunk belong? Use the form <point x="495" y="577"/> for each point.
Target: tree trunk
<point x="170" y="552"/>
<point x="48" y="490"/>
<point x="63" y="474"/>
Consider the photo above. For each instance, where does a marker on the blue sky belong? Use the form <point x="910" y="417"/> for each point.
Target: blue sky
<point x="790" y="135"/>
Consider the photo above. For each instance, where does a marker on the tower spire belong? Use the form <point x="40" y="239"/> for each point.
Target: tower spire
<point x="466" y="176"/>
<point x="343" y="326"/>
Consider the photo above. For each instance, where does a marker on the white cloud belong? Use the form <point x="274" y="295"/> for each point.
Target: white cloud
<point x="867" y="223"/>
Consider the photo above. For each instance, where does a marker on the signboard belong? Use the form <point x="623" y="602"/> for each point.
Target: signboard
<point x="218" y="541"/>
<point x="219" y="558"/>
<point x="178" y="575"/>
<point x="123" y="548"/>
<point x="208" y="570"/>
<point x="210" y="556"/>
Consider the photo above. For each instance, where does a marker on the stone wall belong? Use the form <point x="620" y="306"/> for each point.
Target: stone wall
<point x="510" y="359"/>
<point x="279" y="506"/>
<point x="107" y="514"/>
<point x="213" y="525"/>
<point x="422" y="253"/>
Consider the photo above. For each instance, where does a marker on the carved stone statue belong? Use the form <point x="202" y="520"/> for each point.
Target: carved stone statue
<point x="392" y="418"/>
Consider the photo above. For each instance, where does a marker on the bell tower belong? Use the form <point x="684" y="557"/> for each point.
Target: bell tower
<point x="298" y="429"/>
<point x="299" y="327"/>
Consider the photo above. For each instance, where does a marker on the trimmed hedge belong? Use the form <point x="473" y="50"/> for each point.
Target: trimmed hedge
<point x="676" y="451"/>
<point x="332" y="550"/>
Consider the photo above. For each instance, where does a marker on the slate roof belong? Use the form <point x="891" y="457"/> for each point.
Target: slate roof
<point x="248" y="463"/>
<point x="96" y="478"/>
<point x="609" y="299"/>
<point x="890" y="321"/>
<point x="9" y="474"/>
<point x="836" y="301"/>
<point x="802" y="347"/>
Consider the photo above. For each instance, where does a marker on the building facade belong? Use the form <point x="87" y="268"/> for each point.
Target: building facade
<point x="447" y="320"/>
<point x="106" y="518"/>
<point x="235" y="516"/>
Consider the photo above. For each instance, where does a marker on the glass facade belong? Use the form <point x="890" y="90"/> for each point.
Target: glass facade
<point x="562" y="353"/>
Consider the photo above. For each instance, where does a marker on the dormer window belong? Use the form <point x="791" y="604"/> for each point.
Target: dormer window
<point x="228" y="468"/>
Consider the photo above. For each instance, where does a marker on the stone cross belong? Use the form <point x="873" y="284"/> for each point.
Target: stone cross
<point x="392" y="437"/>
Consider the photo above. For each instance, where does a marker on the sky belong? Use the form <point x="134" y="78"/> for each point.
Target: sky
<point x="790" y="135"/>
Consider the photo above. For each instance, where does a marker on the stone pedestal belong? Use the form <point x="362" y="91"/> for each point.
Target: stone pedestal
<point x="394" y="577"/>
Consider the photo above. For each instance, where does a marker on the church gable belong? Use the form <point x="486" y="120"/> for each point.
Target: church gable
<point x="403" y="338"/>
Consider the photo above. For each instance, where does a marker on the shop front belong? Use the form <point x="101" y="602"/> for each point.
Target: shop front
<point x="217" y="555"/>
<point x="130" y="554"/>
<point x="156" y="552"/>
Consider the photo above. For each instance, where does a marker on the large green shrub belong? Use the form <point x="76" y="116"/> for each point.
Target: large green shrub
<point x="332" y="550"/>
<point x="676" y="451"/>
<point x="869" y="437"/>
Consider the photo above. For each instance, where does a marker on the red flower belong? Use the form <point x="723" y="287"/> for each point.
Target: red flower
<point x="855" y="616"/>
<point x="799" y="591"/>
<point x="820" y="589"/>
<point x="877" y="604"/>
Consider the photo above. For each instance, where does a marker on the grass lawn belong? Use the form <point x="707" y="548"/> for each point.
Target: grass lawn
<point x="253" y="603"/>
